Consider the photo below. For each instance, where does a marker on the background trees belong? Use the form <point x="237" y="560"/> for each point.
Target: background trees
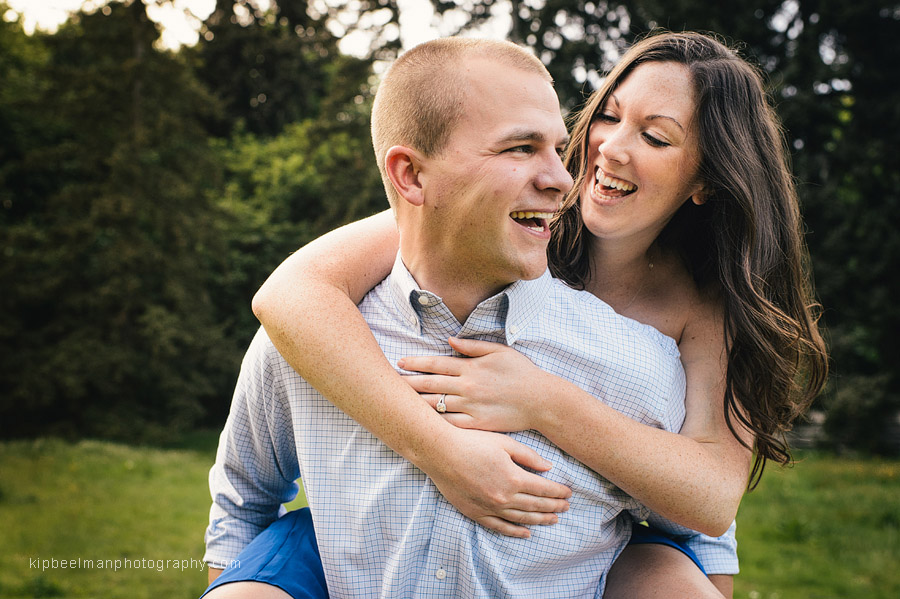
<point x="145" y="194"/>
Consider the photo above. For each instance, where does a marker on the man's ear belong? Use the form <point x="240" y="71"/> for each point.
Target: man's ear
<point x="403" y="167"/>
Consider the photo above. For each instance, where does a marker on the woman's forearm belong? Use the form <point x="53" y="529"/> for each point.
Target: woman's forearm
<point x="697" y="483"/>
<point x="695" y="478"/>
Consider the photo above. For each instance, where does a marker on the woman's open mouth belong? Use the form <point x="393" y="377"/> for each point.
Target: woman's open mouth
<point x="607" y="186"/>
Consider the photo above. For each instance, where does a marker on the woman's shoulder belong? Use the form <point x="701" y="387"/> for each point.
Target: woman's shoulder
<point x="678" y="305"/>
<point x="704" y="326"/>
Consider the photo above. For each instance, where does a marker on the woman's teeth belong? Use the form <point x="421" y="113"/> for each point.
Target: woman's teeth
<point x="607" y="181"/>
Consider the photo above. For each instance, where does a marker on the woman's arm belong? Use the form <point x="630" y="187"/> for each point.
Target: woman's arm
<point x="695" y="478"/>
<point x="308" y="308"/>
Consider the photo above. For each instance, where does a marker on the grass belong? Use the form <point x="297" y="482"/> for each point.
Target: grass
<point x="827" y="528"/>
<point x="101" y="501"/>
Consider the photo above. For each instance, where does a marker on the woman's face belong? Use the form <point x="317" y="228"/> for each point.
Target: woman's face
<point x="642" y="155"/>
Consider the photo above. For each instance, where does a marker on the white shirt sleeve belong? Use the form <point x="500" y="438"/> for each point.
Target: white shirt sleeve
<point x="256" y="462"/>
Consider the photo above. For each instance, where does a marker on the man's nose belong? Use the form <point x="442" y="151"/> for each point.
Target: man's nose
<point x="555" y="176"/>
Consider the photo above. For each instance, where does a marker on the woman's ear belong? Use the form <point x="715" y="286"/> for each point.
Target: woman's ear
<point x="700" y="196"/>
<point x="403" y="167"/>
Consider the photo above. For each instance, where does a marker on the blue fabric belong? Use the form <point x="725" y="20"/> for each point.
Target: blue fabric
<point x="642" y="534"/>
<point x="284" y="555"/>
<point x="382" y="527"/>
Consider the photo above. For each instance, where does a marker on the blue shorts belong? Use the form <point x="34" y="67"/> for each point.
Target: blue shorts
<point x="641" y="534"/>
<point x="286" y="555"/>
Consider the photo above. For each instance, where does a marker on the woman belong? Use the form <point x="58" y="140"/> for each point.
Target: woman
<point x="684" y="217"/>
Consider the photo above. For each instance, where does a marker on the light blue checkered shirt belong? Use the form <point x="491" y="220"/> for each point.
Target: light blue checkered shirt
<point x="382" y="527"/>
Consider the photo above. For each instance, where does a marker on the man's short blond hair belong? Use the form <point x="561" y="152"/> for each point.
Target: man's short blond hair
<point x="422" y="96"/>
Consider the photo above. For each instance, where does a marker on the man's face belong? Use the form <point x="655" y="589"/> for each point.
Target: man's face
<point x="491" y="192"/>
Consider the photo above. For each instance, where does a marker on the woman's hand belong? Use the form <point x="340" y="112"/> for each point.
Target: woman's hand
<point x="495" y="389"/>
<point x="484" y="476"/>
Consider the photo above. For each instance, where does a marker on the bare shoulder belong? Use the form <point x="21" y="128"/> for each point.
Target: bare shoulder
<point x="675" y="302"/>
<point x="704" y="321"/>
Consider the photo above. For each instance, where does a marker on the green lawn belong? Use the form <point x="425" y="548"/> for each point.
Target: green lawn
<point x="827" y="528"/>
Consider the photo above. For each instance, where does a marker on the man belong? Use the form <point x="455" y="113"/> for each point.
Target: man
<point x="472" y="194"/>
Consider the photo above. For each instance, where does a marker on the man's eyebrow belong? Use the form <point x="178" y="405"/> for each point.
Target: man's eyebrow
<point x="528" y="135"/>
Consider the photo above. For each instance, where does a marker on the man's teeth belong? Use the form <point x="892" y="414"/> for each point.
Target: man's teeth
<point x="537" y="219"/>
<point x="540" y="215"/>
<point x="607" y="181"/>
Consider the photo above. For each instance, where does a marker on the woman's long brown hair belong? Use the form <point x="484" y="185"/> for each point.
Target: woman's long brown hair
<point x="746" y="239"/>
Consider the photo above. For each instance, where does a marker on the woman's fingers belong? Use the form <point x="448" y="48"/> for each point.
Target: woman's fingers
<point x="433" y="384"/>
<point x="434" y="398"/>
<point x="513" y="521"/>
<point x="474" y="348"/>
<point x="446" y="365"/>
<point x="504" y="527"/>
<point x="449" y="365"/>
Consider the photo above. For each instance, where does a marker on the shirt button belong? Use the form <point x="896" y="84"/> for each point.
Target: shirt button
<point x="513" y="329"/>
<point x="423" y="300"/>
<point x="441" y="574"/>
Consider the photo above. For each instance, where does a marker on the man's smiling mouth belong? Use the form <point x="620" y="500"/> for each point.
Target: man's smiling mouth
<point x="536" y="221"/>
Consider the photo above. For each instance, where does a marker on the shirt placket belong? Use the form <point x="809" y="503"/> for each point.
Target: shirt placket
<point x="447" y="557"/>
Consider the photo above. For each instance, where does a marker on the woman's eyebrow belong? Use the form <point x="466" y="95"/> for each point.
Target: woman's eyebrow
<point x="663" y="116"/>
<point x="652" y="116"/>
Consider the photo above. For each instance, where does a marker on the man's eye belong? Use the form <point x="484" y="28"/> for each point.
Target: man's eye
<point x="523" y="149"/>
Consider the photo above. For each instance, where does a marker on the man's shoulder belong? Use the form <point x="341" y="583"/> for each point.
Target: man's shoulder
<point x="578" y="303"/>
<point x="264" y="358"/>
<point x="586" y="314"/>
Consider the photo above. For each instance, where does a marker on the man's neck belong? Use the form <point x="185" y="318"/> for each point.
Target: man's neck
<point x="460" y="291"/>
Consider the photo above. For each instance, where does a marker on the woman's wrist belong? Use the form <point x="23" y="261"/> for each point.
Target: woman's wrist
<point x="562" y="409"/>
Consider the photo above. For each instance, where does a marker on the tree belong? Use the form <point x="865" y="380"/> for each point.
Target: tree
<point x="133" y="240"/>
<point x="298" y="160"/>
<point x="273" y="68"/>
<point x="107" y="313"/>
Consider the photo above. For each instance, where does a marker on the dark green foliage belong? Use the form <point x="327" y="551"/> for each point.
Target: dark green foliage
<point x="267" y="69"/>
<point x="106" y="317"/>
<point x="134" y="240"/>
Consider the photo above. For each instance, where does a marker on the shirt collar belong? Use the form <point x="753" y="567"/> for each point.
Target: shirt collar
<point x="513" y="308"/>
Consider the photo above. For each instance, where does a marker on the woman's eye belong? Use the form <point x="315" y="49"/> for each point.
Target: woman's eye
<point x="606" y="118"/>
<point x="655" y="141"/>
